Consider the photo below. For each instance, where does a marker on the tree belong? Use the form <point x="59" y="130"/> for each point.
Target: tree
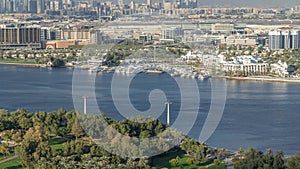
<point x="25" y="123"/>
<point x="44" y="151"/>
<point x="236" y="163"/>
<point x="25" y="152"/>
<point x="240" y="152"/>
<point x="77" y="130"/>
<point x="145" y="134"/>
<point x="174" y="162"/>
<point x="17" y="137"/>
<point x="142" y="163"/>
<point x="217" y="162"/>
<point x="36" y="133"/>
<point x="33" y="147"/>
<point x="268" y="158"/>
<point x="5" y="123"/>
<point x="279" y="160"/>
<point x="4" y="150"/>
<point x="21" y="119"/>
<point x="190" y="161"/>
<point x="32" y="151"/>
<point x="293" y="162"/>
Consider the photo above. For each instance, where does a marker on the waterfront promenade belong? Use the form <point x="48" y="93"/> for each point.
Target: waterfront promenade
<point x="265" y="79"/>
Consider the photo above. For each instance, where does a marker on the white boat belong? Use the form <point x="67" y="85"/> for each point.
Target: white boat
<point x="203" y="77"/>
<point x="94" y="69"/>
<point x="154" y="71"/>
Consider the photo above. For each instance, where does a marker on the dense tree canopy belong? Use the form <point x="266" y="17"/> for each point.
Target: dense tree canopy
<point x="32" y="133"/>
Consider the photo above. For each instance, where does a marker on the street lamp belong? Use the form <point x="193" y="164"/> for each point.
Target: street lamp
<point x="168" y="111"/>
<point x="84" y="104"/>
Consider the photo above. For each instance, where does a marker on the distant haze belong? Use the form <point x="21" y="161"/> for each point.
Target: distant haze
<point x="236" y="3"/>
<point x="249" y="3"/>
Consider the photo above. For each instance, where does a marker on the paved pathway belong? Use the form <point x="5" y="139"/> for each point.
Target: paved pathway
<point x="229" y="163"/>
<point x="8" y="159"/>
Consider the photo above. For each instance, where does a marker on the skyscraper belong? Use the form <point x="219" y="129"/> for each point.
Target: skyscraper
<point x="3" y="5"/>
<point x="149" y="3"/>
<point x="287" y="39"/>
<point x="40" y="6"/>
<point x="32" y="6"/>
<point x="298" y="38"/>
<point x="294" y="39"/>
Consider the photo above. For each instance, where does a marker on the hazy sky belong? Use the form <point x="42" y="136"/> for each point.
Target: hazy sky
<point x="234" y="3"/>
<point x="250" y="3"/>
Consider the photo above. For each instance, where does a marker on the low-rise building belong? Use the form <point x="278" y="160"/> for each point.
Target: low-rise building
<point x="246" y="65"/>
<point x="61" y="44"/>
<point x="280" y="68"/>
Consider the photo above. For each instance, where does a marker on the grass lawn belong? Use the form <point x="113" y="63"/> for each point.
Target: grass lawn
<point x="12" y="164"/>
<point x="163" y="161"/>
<point x="57" y="142"/>
<point x="221" y="166"/>
<point x="17" y="61"/>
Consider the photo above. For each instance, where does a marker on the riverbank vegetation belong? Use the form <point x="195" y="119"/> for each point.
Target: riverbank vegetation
<point x="58" y="140"/>
<point x="58" y="57"/>
<point x="112" y="57"/>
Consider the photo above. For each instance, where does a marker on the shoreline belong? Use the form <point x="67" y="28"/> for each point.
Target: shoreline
<point x="29" y="65"/>
<point x="21" y="64"/>
<point x="263" y="79"/>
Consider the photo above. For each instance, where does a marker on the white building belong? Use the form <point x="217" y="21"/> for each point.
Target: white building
<point x="245" y="64"/>
<point x="280" y="68"/>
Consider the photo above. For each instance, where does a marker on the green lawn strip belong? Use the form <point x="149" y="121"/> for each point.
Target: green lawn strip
<point x="221" y="166"/>
<point x="57" y="142"/>
<point x="163" y="161"/>
<point x="17" y="61"/>
<point x="12" y="164"/>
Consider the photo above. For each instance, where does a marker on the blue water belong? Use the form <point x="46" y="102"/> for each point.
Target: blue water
<point x="257" y="114"/>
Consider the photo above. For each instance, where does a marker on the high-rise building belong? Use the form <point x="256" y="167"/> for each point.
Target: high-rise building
<point x="298" y="38"/>
<point x="40" y="6"/>
<point x="275" y="40"/>
<point x="294" y="39"/>
<point x="149" y="3"/>
<point x="287" y="39"/>
<point x="32" y="6"/>
<point x="11" y="6"/>
<point x="2" y="6"/>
